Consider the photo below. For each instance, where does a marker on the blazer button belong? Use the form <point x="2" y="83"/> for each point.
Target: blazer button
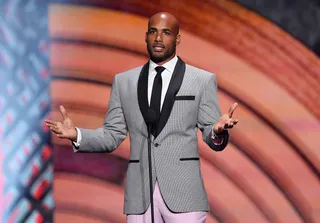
<point x="156" y="144"/>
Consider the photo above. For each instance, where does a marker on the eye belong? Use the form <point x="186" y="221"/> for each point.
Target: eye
<point x="151" y="32"/>
<point x="167" y="33"/>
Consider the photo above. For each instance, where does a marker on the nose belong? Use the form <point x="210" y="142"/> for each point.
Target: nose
<point x="159" y="37"/>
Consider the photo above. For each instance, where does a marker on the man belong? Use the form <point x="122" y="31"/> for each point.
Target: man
<point x="184" y="99"/>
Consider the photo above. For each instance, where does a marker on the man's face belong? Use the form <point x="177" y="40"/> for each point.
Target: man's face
<point x="162" y="38"/>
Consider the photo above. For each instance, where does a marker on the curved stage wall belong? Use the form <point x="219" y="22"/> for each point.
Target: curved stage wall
<point x="270" y="170"/>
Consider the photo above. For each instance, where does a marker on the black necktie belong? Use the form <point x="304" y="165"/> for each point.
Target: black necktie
<point x="155" y="102"/>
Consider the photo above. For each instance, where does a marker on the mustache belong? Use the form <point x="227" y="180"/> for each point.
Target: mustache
<point x="158" y="45"/>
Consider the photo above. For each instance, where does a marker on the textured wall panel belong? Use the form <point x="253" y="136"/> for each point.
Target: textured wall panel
<point x="27" y="168"/>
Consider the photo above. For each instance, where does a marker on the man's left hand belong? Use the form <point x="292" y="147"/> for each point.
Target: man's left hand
<point x="226" y="121"/>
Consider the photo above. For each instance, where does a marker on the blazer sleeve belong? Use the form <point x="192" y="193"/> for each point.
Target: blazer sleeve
<point x="113" y="131"/>
<point x="209" y="113"/>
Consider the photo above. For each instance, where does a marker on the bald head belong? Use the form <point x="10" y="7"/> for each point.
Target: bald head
<point x="162" y="37"/>
<point x="167" y="18"/>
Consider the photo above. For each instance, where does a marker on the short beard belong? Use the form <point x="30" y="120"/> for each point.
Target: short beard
<point x="158" y="59"/>
<point x="162" y="58"/>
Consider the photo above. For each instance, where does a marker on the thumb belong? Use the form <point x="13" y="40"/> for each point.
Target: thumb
<point x="63" y="112"/>
<point x="232" y="109"/>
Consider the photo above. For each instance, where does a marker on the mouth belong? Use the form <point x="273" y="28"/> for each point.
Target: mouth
<point x="158" y="48"/>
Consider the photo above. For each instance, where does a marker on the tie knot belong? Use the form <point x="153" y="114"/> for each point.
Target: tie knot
<point x="159" y="69"/>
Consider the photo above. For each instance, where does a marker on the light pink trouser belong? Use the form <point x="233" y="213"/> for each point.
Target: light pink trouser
<point x="163" y="215"/>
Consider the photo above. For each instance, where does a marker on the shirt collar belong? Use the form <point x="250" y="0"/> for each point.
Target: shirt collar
<point x="170" y="65"/>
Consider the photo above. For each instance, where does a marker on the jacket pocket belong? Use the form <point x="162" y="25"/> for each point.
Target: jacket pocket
<point x="185" y="97"/>
<point x="133" y="161"/>
<point x="188" y="159"/>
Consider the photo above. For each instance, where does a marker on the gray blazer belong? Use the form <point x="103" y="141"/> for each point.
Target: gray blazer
<point x="190" y="103"/>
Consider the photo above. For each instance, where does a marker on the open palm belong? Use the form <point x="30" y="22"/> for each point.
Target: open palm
<point x="64" y="129"/>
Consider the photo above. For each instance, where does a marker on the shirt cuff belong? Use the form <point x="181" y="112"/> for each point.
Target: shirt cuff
<point x="217" y="139"/>
<point x="79" y="137"/>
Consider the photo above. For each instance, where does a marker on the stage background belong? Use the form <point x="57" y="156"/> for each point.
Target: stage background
<point x="26" y="170"/>
<point x="269" y="171"/>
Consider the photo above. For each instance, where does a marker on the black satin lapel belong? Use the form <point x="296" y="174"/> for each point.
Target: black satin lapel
<point x="143" y="90"/>
<point x="174" y="86"/>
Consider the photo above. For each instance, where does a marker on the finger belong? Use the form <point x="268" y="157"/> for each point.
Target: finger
<point x="228" y="126"/>
<point x="50" y="122"/>
<point x="50" y="125"/>
<point x="232" y="109"/>
<point x="234" y="121"/>
<point x="56" y="130"/>
<point x="218" y="127"/>
<point x="63" y="112"/>
<point x="229" y="122"/>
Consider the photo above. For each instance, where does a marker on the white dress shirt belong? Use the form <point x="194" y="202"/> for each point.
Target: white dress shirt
<point x="166" y="77"/>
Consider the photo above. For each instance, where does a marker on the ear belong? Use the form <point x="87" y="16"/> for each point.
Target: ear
<point x="178" y="39"/>
<point x="146" y="37"/>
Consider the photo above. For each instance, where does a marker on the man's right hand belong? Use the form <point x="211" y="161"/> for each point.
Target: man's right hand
<point x="64" y="129"/>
